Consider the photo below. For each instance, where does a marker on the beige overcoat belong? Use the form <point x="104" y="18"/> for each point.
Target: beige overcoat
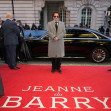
<point x="56" y="48"/>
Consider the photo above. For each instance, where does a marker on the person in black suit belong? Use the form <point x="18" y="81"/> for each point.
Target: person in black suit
<point x="11" y="33"/>
<point x="34" y="27"/>
<point x="40" y="27"/>
<point x="26" y="27"/>
<point x="1" y="41"/>
<point x="1" y="88"/>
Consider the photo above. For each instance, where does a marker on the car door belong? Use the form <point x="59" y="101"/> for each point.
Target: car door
<point x="78" y="42"/>
<point x="38" y="47"/>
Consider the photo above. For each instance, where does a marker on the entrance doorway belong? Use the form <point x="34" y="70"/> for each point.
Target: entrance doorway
<point x="50" y="7"/>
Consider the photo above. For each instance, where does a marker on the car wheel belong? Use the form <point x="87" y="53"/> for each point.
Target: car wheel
<point x="99" y="55"/>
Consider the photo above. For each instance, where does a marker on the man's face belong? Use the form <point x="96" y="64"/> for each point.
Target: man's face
<point x="56" y="17"/>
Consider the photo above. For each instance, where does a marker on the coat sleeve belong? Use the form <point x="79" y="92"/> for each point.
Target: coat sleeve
<point x="50" y="34"/>
<point x="63" y="32"/>
<point x="16" y="29"/>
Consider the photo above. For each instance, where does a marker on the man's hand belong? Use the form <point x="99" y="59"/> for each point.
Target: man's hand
<point x="56" y="39"/>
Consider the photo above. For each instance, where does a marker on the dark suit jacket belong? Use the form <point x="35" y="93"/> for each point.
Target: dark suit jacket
<point x="1" y="87"/>
<point x="11" y="32"/>
<point x="1" y="37"/>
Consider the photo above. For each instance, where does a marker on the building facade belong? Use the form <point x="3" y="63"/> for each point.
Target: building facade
<point x="73" y="12"/>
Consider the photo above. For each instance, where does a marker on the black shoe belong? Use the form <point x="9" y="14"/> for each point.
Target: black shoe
<point x="109" y="69"/>
<point x="18" y="67"/>
<point x="53" y="70"/>
<point x="15" y="68"/>
<point x="59" y="70"/>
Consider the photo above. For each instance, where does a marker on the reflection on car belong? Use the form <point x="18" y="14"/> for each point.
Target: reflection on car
<point x="79" y="42"/>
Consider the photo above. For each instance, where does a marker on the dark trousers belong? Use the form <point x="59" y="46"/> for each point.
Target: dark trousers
<point x="11" y="55"/>
<point x="2" y="51"/>
<point x="56" y="63"/>
<point x="1" y="87"/>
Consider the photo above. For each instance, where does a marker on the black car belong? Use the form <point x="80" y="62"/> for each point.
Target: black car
<point x="79" y="42"/>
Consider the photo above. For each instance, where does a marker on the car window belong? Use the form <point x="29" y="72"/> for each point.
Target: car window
<point x="74" y="33"/>
<point x="100" y="36"/>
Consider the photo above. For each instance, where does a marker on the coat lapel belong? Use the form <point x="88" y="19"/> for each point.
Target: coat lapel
<point x="59" y="26"/>
<point x="53" y="25"/>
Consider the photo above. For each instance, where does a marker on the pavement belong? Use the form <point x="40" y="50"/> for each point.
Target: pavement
<point x="65" y="61"/>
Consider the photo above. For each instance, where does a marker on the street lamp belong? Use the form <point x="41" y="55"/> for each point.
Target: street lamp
<point x="13" y="7"/>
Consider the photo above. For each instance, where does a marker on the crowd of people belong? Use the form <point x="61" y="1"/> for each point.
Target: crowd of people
<point x="80" y="25"/>
<point x="27" y="27"/>
<point x="16" y="40"/>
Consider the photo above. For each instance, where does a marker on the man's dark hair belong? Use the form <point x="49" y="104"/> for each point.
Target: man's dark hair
<point x="57" y="13"/>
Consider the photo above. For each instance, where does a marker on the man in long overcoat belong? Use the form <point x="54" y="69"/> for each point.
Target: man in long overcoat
<point x="56" y="31"/>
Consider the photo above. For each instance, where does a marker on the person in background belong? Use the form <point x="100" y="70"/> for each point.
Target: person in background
<point x="26" y="27"/>
<point x="14" y="20"/>
<point x="1" y="88"/>
<point x="56" y="32"/>
<point x="75" y="25"/>
<point x="20" y="24"/>
<point x="40" y="27"/>
<point x="20" y="39"/>
<point x="107" y="31"/>
<point x="11" y="32"/>
<point x="101" y="29"/>
<point x="86" y="26"/>
<point x="34" y="27"/>
<point x="2" y="51"/>
<point x="80" y="25"/>
<point x="23" y="50"/>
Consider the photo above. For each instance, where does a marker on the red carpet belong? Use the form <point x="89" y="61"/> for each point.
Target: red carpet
<point x="35" y="88"/>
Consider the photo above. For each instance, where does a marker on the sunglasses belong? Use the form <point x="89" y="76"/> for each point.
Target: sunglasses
<point x="56" y="16"/>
